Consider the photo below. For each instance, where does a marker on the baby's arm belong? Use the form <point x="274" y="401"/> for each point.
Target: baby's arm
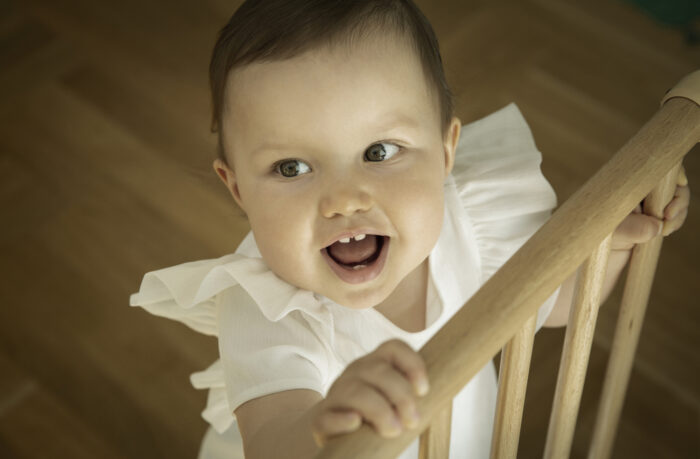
<point x="636" y="228"/>
<point x="278" y="425"/>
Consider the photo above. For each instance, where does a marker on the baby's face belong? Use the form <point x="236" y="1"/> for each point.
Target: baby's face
<point x="331" y="144"/>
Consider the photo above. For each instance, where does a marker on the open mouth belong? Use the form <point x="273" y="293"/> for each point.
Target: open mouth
<point x="363" y="262"/>
<point x="358" y="261"/>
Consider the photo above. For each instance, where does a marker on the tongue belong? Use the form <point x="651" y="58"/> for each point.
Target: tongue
<point x="354" y="251"/>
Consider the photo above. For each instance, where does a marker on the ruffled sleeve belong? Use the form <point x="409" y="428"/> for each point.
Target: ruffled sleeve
<point x="261" y="357"/>
<point x="502" y="190"/>
<point x="272" y="336"/>
<point x="186" y="292"/>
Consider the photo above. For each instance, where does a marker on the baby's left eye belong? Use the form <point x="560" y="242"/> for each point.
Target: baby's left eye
<point x="290" y="168"/>
<point x="377" y="152"/>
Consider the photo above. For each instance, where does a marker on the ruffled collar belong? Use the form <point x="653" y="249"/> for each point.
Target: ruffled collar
<point x="187" y="292"/>
<point x="275" y="297"/>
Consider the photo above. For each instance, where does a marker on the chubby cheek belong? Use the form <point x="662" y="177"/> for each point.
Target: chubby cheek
<point x="283" y="234"/>
<point x="418" y="210"/>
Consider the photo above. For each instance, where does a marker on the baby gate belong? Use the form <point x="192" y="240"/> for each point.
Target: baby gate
<point x="503" y="311"/>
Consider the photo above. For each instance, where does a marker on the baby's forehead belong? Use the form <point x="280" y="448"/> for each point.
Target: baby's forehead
<point x="331" y="77"/>
<point x="293" y="116"/>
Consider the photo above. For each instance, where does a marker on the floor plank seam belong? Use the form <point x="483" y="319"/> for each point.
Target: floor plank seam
<point x="16" y="397"/>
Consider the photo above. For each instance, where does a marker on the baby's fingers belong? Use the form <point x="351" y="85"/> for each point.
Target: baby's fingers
<point x="330" y="423"/>
<point x="395" y="387"/>
<point x="676" y="211"/>
<point x="676" y="222"/>
<point x="635" y="229"/>
<point x="408" y="361"/>
<point x="682" y="178"/>
<point x="680" y="201"/>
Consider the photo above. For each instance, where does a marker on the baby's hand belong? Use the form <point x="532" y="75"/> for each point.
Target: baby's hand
<point x="379" y="388"/>
<point x="638" y="228"/>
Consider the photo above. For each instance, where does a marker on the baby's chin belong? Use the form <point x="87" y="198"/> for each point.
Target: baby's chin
<point x="358" y="300"/>
<point x="356" y="296"/>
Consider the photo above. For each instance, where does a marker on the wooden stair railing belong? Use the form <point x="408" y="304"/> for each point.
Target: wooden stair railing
<point x="502" y="312"/>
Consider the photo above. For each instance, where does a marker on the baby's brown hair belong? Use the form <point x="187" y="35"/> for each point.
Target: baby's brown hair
<point x="270" y="30"/>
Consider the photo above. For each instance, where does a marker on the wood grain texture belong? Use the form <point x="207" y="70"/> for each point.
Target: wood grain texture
<point x="576" y="351"/>
<point x="435" y="440"/>
<point x="105" y="174"/>
<point x="512" y="386"/>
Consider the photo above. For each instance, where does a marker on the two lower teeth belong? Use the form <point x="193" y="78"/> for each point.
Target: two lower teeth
<point x="356" y="267"/>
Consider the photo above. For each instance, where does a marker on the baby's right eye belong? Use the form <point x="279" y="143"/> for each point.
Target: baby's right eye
<point x="290" y="167"/>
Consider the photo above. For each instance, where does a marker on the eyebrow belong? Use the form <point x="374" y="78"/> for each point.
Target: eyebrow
<point x="392" y="121"/>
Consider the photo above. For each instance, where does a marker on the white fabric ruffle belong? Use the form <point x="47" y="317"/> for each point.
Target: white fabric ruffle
<point x="500" y="184"/>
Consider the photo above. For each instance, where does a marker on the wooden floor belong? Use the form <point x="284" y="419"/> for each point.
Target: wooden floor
<point x="105" y="174"/>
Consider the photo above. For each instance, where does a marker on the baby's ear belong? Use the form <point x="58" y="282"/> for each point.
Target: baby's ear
<point x="450" y="143"/>
<point x="228" y="177"/>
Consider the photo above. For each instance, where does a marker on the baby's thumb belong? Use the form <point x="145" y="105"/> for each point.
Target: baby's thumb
<point x="636" y="229"/>
<point x="331" y="423"/>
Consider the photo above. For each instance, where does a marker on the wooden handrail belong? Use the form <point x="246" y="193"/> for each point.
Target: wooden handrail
<point x="513" y="294"/>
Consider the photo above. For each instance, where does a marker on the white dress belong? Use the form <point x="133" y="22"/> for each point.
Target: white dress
<point x="274" y="336"/>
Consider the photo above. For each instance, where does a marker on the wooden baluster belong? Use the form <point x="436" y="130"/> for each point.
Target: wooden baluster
<point x="512" y="383"/>
<point x="577" y="348"/>
<point x="435" y="440"/>
<point x="629" y="323"/>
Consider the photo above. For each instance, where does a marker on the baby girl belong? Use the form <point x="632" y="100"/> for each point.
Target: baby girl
<point x="374" y="215"/>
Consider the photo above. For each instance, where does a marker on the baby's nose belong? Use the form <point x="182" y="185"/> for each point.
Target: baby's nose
<point x="345" y="201"/>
